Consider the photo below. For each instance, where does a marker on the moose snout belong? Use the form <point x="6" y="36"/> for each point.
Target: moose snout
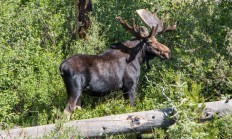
<point x="167" y="55"/>
<point x="165" y="51"/>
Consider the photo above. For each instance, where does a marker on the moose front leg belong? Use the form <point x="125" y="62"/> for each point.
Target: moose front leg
<point x="130" y="94"/>
<point x="130" y="84"/>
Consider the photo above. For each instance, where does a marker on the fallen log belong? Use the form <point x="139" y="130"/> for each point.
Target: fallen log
<point x="120" y="124"/>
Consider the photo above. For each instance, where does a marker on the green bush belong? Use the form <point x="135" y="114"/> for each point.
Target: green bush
<point x="30" y="56"/>
<point x="35" y="36"/>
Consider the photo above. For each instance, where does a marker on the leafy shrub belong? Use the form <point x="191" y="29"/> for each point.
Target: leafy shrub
<point x="35" y="36"/>
<point x="30" y="81"/>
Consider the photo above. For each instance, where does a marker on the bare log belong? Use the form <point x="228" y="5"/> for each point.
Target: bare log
<point x="219" y="108"/>
<point x="119" y="124"/>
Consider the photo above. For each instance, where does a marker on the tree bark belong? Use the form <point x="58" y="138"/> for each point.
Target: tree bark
<point x="82" y="20"/>
<point x="77" y="24"/>
<point x="122" y="123"/>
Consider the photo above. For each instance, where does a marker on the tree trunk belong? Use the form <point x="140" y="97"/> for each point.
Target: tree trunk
<point x="82" y="20"/>
<point x="77" y="24"/>
<point x="122" y="123"/>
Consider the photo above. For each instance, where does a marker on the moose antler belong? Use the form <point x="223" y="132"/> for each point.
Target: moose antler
<point x="152" y="20"/>
<point x="137" y="31"/>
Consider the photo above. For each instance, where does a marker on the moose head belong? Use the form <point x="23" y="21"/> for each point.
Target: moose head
<point x="152" y="47"/>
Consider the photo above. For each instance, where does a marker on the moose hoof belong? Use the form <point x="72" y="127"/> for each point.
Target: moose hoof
<point x="78" y="107"/>
<point x="67" y="110"/>
<point x="67" y="114"/>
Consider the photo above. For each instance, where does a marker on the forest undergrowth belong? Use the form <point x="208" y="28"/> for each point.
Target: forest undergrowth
<point x="35" y="37"/>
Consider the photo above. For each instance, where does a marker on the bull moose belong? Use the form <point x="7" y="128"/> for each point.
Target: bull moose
<point x="118" y="68"/>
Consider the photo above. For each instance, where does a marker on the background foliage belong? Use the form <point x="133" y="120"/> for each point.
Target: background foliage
<point x="35" y="36"/>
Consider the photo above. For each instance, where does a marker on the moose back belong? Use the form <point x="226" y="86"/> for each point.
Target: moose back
<point x="118" y="68"/>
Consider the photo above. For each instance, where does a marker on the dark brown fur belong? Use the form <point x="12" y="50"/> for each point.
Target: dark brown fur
<point x="118" y="68"/>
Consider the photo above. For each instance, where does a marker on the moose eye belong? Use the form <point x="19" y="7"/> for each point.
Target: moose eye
<point x="149" y="42"/>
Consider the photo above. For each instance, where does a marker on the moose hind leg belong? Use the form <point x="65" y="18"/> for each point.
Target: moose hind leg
<point x="72" y="103"/>
<point x="73" y="91"/>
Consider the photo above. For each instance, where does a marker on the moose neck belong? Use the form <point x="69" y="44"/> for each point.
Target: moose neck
<point x="136" y="50"/>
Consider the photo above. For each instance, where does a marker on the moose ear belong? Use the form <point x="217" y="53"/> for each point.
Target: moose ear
<point x="113" y="46"/>
<point x="116" y="46"/>
<point x="121" y="46"/>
